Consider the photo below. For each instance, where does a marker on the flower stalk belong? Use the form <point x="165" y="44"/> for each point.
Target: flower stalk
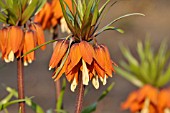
<point x="80" y="95"/>
<point x="20" y="79"/>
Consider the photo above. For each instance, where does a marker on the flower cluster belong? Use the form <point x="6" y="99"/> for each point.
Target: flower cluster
<point x="93" y="62"/>
<point x="51" y="15"/>
<point x="148" y="100"/>
<point x="16" y="41"/>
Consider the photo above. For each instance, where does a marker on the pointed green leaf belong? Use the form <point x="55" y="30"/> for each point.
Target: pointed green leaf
<point x="91" y="108"/>
<point x="165" y="78"/>
<point x="2" y="5"/>
<point x="103" y="7"/>
<point x="51" y="41"/>
<point x="6" y="99"/>
<point x="108" y="28"/>
<point x="29" y="11"/>
<point x="34" y="106"/>
<point x="129" y="77"/>
<point x="69" y="23"/>
<point x="62" y="62"/>
<point x="4" y="106"/>
<point x="2" y="18"/>
<point x="24" y="4"/>
<point x="105" y="93"/>
<point x="95" y="15"/>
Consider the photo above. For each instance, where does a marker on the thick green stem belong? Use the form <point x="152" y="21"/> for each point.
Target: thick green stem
<point x="20" y="79"/>
<point x="80" y="95"/>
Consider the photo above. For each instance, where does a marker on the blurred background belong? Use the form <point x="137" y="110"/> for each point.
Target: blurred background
<point x="38" y="83"/>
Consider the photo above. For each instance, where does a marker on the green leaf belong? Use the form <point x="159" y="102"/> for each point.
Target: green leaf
<point x="88" y="9"/>
<point x="60" y="99"/>
<point x="90" y="108"/>
<point x="69" y="23"/>
<point x="4" y="106"/>
<point x="6" y="99"/>
<point x="29" y="11"/>
<point x="129" y="56"/>
<point x="105" y="93"/>
<point x="2" y="5"/>
<point x="34" y="106"/>
<point x="95" y="15"/>
<point x="103" y="7"/>
<point x="129" y="77"/>
<point x="51" y="41"/>
<point x="124" y="16"/>
<point x="165" y="78"/>
<point x="23" y="4"/>
<point x="9" y="3"/>
<point x="2" y="18"/>
<point x="62" y="62"/>
<point x="28" y="101"/>
<point x="108" y="28"/>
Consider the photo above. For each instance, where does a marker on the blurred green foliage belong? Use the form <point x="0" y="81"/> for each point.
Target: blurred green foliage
<point x="152" y="68"/>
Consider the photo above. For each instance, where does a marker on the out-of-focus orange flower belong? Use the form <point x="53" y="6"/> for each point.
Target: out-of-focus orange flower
<point x="143" y="100"/>
<point x="51" y="15"/>
<point x="14" y="42"/>
<point x="92" y="61"/>
<point x="164" y="101"/>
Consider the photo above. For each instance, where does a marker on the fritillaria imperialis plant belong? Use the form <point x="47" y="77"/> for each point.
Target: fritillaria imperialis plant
<point x="79" y="56"/>
<point x="20" y="34"/>
<point x="151" y="73"/>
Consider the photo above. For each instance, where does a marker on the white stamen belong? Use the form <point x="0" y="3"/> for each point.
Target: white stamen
<point x="167" y="110"/>
<point x="85" y="75"/>
<point x="6" y="60"/>
<point x="30" y="61"/>
<point x="64" y="27"/>
<point x="73" y="85"/>
<point x="11" y="56"/>
<point x="50" y="68"/>
<point x="146" y="106"/>
<point x="25" y="63"/>
<point x="104" y="80"/>
<point x="95" y="82"/>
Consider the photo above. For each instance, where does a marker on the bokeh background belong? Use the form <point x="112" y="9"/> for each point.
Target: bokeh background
<point x="38" y="83"/>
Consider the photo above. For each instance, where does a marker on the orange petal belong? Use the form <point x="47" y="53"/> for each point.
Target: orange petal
<point x="3" y="40"/>
<point x="131" y="98"/>
<point x="143" y="93"/>
<point x="108" y="61"/>
<point x="59" y="52"/>
<point x="47" y="16"/>
<point x="75" y="56"/>
<point x="87" y="51"/>
<point x="135" y="107"/>
<point x="29" y="44"/>
<point x="62" y="70"/>
<point x="100" y="56"/>
<point x="15" y="36"/>
<point x="99" y="70"/>
<point x="162" y="100"/>
<point x="39" y="34"/>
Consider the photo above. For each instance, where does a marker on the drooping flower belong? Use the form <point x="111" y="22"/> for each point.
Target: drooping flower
<point x="92" y="61"/>
<point x="14" y="42"/>
<point x="19" y="34"/>
<point x="144" y="99"/>
<point x="51" y="15"/>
